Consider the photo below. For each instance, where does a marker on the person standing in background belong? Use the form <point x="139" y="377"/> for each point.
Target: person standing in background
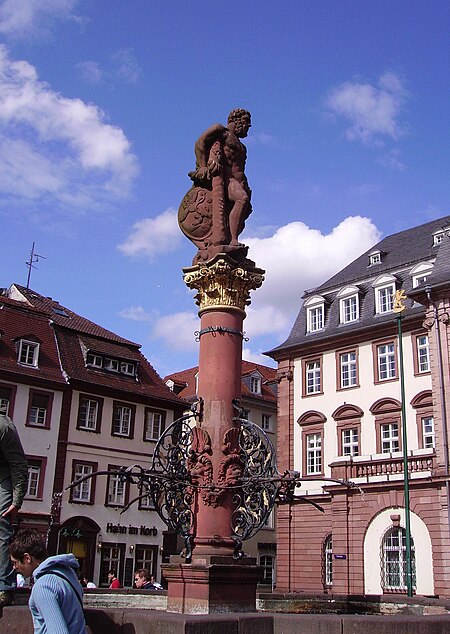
<point x="13" y="486"/>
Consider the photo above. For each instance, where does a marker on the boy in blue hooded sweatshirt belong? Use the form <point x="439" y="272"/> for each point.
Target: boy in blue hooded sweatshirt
<point x="56" y="601"/>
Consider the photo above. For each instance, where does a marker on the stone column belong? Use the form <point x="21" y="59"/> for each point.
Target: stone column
<point x="214" y="581"/>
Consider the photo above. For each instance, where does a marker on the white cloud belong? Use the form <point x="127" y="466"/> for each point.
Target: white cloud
<point x="372" y="111"/>
<point x="152" y="237"/>
<point x="90" y="71"/>
<point x="25" y="172"/>
<point x="177" y="331"/>
<point x="392" y="160"/>
<point x="74" y="153"/>
<point x="136" y="313"/>
<point x="296" y="258"/>
<point x="264" y="320"/>
<point x="257" y="357"/>
<point x="122" y="66"/>
<point x="19" y="18"/>
<point x="126" y="66"/>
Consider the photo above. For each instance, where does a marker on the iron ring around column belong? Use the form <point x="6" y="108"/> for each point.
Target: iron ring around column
<point x="219" y="329"/>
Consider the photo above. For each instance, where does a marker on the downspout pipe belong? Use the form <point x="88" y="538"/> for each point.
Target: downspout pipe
<point x="442" y="397"/>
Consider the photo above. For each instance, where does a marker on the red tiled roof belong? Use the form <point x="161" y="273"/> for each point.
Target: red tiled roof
<point x="26" y="324"/>
<point x="72" y="321"/>
<point x="187" y="378"/>
<point x="149" y="384"/>
<point x="63" y="338"/>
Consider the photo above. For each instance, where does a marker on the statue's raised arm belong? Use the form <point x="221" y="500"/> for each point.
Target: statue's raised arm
<point x="213" y="212"/>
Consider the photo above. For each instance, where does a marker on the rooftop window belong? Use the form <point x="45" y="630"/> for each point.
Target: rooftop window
<point x="374" y="258"/>
<point x="110" y="364"/>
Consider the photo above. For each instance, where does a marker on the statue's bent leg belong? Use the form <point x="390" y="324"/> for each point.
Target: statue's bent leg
<point x="240" y="198"/>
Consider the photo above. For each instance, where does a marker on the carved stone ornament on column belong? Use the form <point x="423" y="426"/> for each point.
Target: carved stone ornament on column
<point x="231" y="468"/>
<point x="200" y="466"/>
<point x="222" y="283"/>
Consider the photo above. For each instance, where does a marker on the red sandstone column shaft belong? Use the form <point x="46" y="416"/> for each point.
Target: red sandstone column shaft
<point x="223" y="287"/>
<point x="219" y="382"/>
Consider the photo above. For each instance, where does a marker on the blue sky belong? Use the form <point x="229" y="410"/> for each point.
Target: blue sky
<point x="101" y="102"/>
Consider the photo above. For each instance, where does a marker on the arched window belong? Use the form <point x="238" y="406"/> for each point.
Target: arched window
<point x="328" y="560"/>
<point x="393" y="560"/>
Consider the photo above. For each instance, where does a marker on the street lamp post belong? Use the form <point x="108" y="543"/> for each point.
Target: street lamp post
<point x="399" y="307"/>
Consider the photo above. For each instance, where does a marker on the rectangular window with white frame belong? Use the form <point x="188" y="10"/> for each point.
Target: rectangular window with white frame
<point x="27" y="352"/>
<point x="7" y="397"/>
<point x="350" y="441"/>
<point x="4" y="405"/>
<point x="89" y="413"/>
<point x="267" y="563"/>
<point x="127" y="367"/>
<point x="385" y="298"/>
<point x="39" y="409"/>
<point x="422" y="354"/>
<point x="255" y="385"/>
<point x="266" y="422"/>
<point x="386" y="361"/>
<point x="313" y="379"/>
<point x="116" y="489"/>
<point x="83" y="492"/>
<point x="428" y="434"/>
<point x="113" y="365"/>
<point x="36" y="473"/>
<point x="315" y="318"/>
<point x="313" y="453"/>
<point x="390" y="438"/>
<point x="154" y="424"/>
<point x="95" y="360"/>
<point x="348" y="369"/>
<point x="145" y="503"/>
<point x="146" y="557"/>
<point x="349" y="309"/>
<point x="123" y="420"/>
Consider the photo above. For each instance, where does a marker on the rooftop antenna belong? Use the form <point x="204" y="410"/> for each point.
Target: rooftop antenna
<point x="34" y="257"/>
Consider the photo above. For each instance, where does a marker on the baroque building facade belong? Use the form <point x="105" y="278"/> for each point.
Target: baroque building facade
<point x="340" y="418"/>
<point x="259" y="402"/>
<point x="83" y="400"/>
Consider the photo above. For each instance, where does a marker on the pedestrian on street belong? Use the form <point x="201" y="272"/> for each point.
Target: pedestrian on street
<point x="56" y="600"/>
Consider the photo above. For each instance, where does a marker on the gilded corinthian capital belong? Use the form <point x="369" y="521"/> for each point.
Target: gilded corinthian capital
<point x="223" y="283"/>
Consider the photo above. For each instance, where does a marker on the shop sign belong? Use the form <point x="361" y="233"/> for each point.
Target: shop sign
<point x="131" y="530"/>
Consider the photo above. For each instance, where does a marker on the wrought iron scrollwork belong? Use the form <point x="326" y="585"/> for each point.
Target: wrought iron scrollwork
<point x="181" y="470"/>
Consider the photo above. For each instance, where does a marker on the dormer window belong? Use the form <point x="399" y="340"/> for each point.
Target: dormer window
<point x="128" y="368"/>
<point x="420" y="273"/>
<point x="375" y="258"/>
<point x="27" y="352"/>
<point x="385" y="299"/>
<point x="95" y="360"/>
<point x="111" y="364"/>
<point x="348" y="305"/>
<point x="438" y="236"/>
<point x="255" y="384"/>
<point x="384" y="288"/>
<point x="315" y="314"/>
